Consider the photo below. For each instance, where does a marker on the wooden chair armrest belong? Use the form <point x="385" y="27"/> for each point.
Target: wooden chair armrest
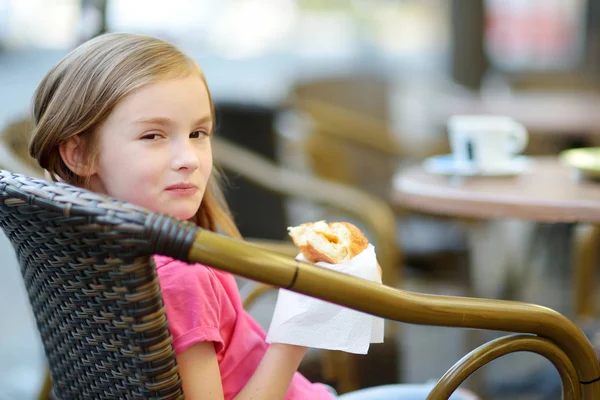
<point x="497" y="348"/>
<point x="280" y="246"/>
<point x="275" y="269"/>
<point x="253" y="290"/>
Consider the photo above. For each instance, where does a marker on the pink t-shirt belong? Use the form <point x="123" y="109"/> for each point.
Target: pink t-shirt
<point x="204" y="304"/>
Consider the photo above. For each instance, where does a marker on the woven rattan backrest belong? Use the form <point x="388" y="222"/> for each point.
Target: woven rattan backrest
<point x="87" y="266"/>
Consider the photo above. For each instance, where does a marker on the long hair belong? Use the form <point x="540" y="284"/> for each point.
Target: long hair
<point x="79" y="93"/>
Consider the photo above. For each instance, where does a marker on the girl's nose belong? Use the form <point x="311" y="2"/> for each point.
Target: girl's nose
<point x="185" y="157"/>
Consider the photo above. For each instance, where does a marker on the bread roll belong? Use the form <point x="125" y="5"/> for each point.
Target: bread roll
<point x="335" y="243"/>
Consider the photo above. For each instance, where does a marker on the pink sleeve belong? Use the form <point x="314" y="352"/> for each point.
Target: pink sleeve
<point x="190" y="294"/>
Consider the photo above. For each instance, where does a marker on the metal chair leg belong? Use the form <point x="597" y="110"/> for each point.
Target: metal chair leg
<point x="586" y="241"/>
<point x="46" y="387"/>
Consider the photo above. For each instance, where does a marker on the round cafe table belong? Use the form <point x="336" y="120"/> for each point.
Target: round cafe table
<point x="547" y="192"/>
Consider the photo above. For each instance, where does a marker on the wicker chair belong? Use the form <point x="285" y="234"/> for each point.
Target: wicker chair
<point x="93" y="289"/>
<point x="86" y="262"/>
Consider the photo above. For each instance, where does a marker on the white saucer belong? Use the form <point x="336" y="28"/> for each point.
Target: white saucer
<point x="445" y="165"/>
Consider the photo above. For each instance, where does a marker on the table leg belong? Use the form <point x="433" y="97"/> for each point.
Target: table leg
<point x="498" y="252"/>
<point x="488" y="270"/>
<point x="497" y="255"/>
<point x="586" y="245"/>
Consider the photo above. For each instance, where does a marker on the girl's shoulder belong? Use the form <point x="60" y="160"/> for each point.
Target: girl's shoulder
<point x="181" y="280"/>
<point x="167" y="266"/>
<point x="181" y="276"/>
<point x="166" y="261"/>
<point x="171" y="271"/>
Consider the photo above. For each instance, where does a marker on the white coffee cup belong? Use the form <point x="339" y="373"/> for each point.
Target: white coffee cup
<point x="485" y="142"/>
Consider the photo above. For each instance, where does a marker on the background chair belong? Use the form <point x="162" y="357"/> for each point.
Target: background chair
<point x="86" y="263"/>
<point x="374" y="214"/>
<point x="14" y="155"/>
<point x="348" y="139"/>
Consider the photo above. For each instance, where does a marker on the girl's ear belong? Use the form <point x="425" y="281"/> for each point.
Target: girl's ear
<point x="72" y="151"/>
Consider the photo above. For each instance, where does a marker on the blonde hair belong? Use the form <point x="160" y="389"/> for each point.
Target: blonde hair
<point x="79" y="93"/>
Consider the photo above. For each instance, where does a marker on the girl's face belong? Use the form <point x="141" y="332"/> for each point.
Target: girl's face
<point x="155" y="148"/>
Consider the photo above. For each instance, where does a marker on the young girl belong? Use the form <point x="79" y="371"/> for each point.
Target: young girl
<point x="130" y="116"/>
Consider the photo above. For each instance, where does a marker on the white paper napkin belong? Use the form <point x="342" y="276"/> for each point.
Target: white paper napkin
<point x="310" y="322"/>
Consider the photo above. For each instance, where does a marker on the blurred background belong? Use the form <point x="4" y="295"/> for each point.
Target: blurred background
<point x="348" y="92"/>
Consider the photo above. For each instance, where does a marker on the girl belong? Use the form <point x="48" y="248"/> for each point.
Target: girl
<point x="130" y="116"/>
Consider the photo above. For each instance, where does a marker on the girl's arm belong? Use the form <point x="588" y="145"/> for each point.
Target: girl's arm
<point x="199" y="371"/>
<point x="274" y="374"/>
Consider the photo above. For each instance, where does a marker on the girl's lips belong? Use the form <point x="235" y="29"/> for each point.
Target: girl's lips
<point x="183" y="189"/>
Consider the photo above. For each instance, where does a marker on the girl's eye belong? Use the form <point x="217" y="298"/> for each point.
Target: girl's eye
<point x="151" y="136"/>
<point x="198" y="134"/>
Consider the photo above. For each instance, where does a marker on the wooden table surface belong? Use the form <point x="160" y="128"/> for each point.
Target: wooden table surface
<point x="547" y="192"/>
